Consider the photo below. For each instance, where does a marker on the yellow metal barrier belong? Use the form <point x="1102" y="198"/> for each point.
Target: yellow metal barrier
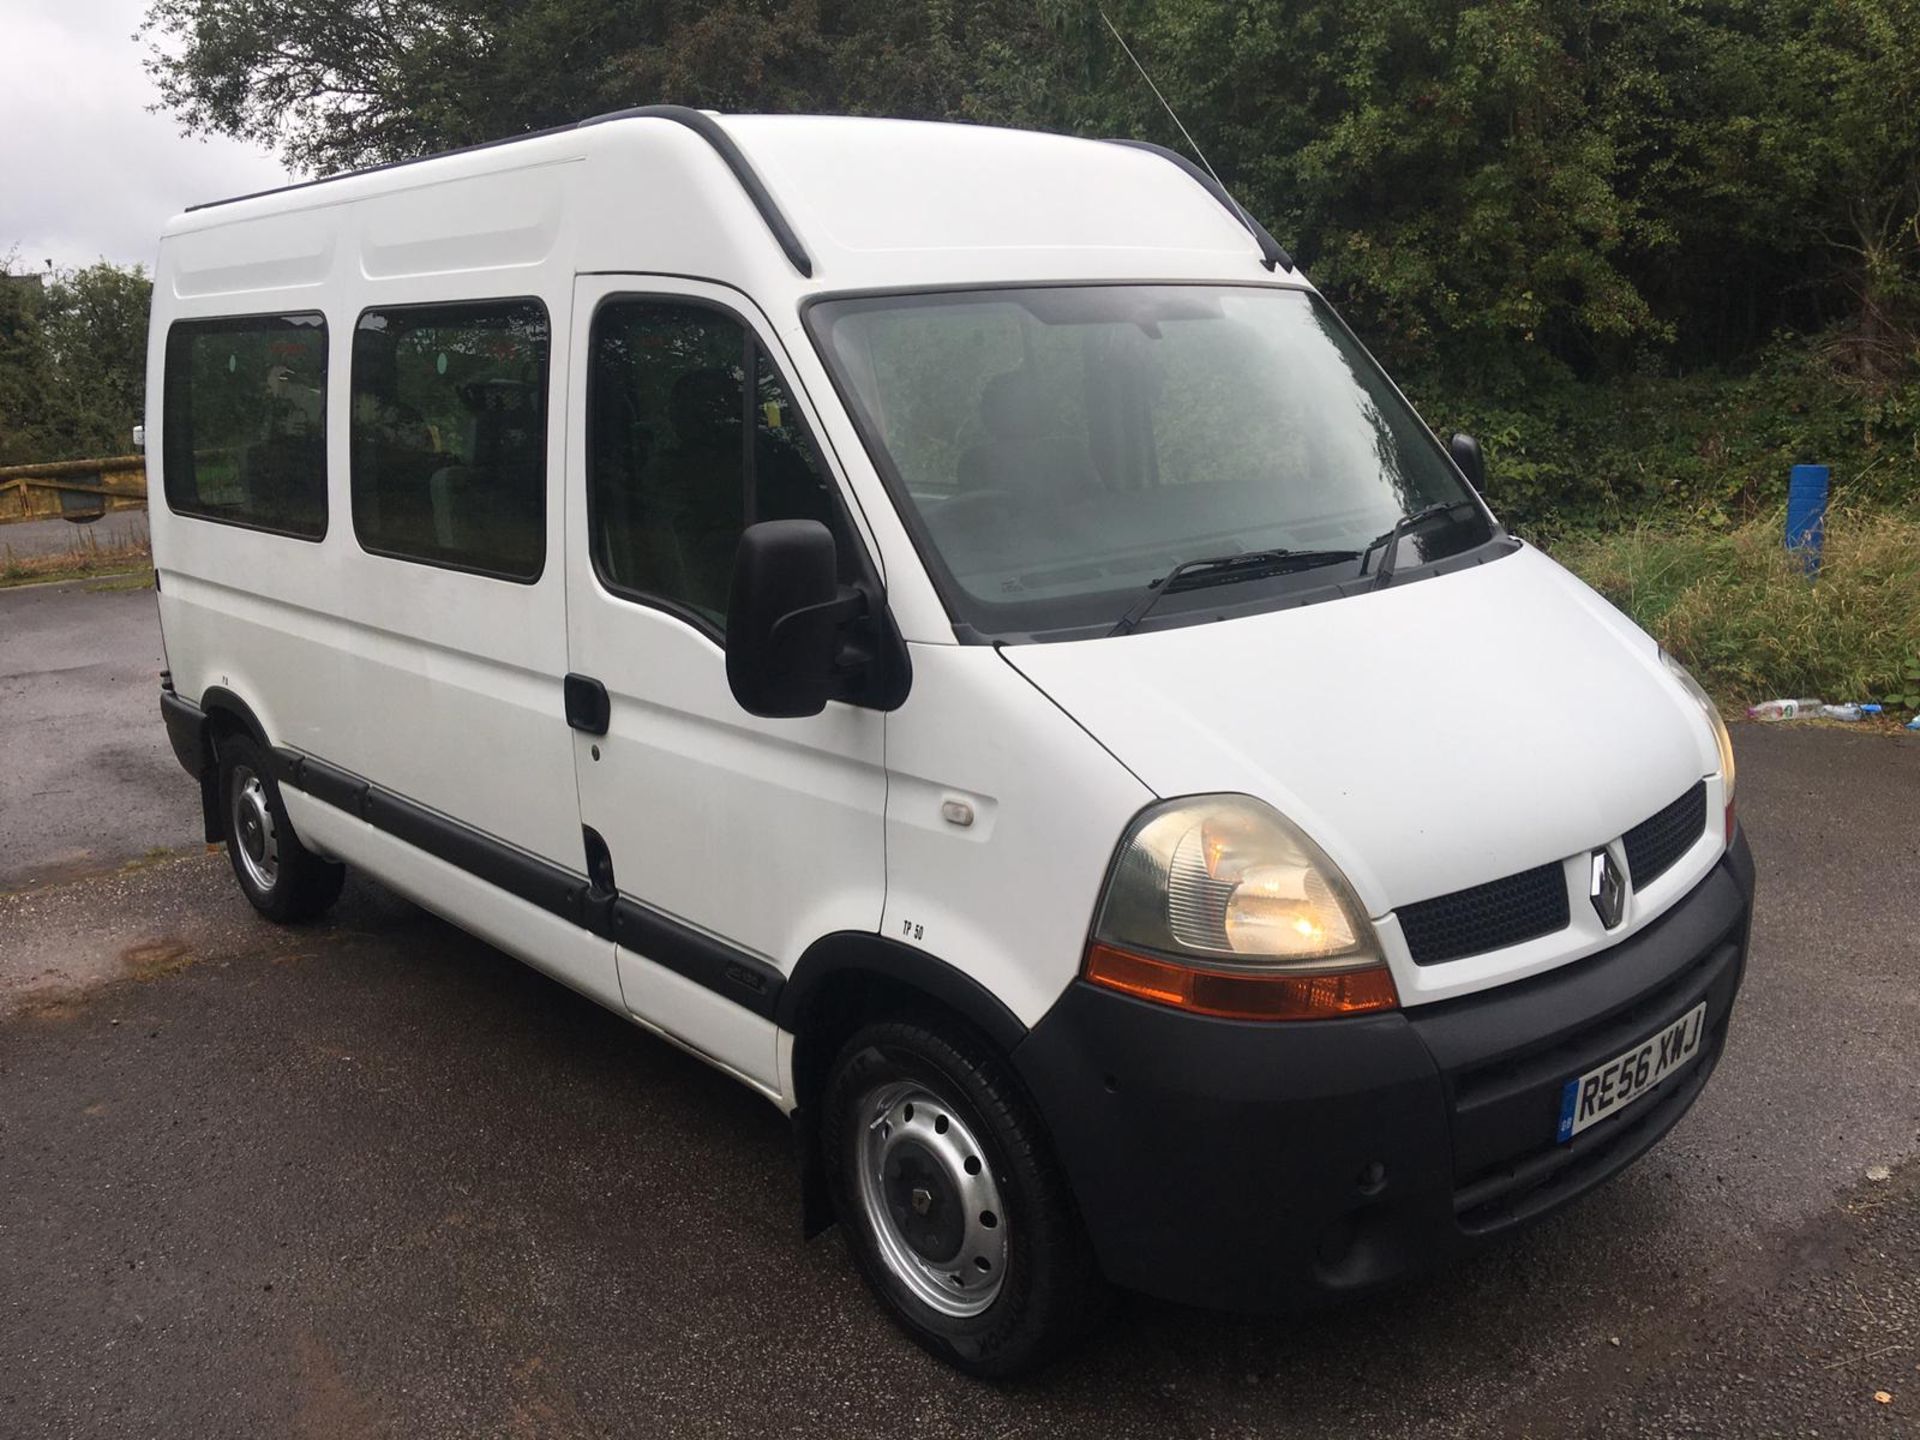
<point x="72" y="489"/>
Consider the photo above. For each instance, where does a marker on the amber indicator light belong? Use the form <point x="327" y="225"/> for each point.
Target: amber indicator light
<point x="1238" y="995"/>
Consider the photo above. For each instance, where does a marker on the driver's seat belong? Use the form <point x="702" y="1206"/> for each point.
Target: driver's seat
<point x="1022" y="451"/>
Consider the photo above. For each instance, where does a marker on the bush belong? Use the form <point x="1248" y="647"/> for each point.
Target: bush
<point x="1741" y="613"/>
<point x="1713" y="448"/>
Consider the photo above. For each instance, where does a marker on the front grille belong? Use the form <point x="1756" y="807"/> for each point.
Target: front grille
<point x="1663" y="837"/>
<point x="1486" y="917"/>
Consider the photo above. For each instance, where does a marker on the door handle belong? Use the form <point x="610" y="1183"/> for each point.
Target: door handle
<point x="588" y="708"/>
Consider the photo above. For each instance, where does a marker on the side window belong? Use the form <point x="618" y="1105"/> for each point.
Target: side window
<point x="245" y="422"/>
<point x="449" y="435"/>
<point x="682" y="455"/>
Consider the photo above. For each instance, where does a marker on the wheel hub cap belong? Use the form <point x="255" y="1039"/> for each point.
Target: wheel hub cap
<point x="253" y="829"/>
<point x="930" y="1200"/>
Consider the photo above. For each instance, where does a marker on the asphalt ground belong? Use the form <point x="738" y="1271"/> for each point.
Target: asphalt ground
<point x="371" y="1177"/>
<point x="87" y="779"/>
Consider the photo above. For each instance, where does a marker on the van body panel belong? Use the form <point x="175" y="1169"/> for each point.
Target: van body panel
<point x="1009" y="897"/>
<point x="461" y="226"/>
<point x="272" y="253"/>
<point x="570" y="953"/>
<point x="766" y="834"/>
<point x="729" y="1035"/>
<point x="1432" y="736"/>
<point x="369" y="662"/>
<point x="892" y="193"/>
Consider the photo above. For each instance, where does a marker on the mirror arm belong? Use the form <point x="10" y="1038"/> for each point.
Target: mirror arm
<point x="849" y="604"/>
<point x="844" y="612"/>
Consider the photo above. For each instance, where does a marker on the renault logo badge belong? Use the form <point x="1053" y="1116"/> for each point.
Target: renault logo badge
<point x="1608" y="889"/>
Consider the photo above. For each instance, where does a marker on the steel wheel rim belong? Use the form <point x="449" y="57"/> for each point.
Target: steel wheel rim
<point x="255" y="839"/>
<point x="930" y="1200"/>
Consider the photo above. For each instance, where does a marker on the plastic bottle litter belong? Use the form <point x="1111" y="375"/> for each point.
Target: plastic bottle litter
<point x="1847" y="712"/>
<point x="1783" y="709"/>
<point x="1914" y="724"/>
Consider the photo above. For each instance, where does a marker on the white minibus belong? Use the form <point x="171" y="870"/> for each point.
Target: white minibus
<point x="948" y="626"/>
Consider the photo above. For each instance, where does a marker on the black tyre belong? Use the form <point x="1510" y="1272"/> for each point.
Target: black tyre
<point x="952" y="1201"/>
<point x="282" y="879"/>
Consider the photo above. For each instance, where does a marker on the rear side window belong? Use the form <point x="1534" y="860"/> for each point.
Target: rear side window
<point x="245" y="422"/>
<point x="449" y="435"/>
<point x="692" y="436"/>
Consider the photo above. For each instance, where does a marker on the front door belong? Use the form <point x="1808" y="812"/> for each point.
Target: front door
<point x="733" y="841"/>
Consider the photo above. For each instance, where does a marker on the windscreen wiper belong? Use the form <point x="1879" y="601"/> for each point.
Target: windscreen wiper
<point x="1227" y="570"/>
<point x="1403" y="527"/>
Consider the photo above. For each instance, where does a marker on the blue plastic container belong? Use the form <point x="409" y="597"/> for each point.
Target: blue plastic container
<point x="1807" y="512"/>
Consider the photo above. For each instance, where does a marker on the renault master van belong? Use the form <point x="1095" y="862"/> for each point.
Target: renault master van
<point x="946" y="625"/>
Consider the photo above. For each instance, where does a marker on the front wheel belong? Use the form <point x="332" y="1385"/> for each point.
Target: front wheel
<point x="281" y="878"/>
<point x="952" y="1202"/>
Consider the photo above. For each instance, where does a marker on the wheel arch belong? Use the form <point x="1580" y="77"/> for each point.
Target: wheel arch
<point x="226" y="713"/>
<point x="231" y="709"/>
<point x="843" y="982"/>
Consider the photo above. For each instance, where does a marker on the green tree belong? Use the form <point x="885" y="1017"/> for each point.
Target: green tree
<point x="1440" y="166"/>
<point x="73" y="356"/>
<point x="1501" y="193"/>
<point x="1843" y="135"/>
<point x="334" y="84"/>
<point x="25" y="368"/>
<point x="96" y="326"/>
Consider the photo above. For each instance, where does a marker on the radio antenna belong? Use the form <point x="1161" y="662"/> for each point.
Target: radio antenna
<point x="1191" y="144"/>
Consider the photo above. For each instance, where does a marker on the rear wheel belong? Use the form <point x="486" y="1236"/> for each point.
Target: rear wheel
<point x="280" y="877"/>
<point x="952" y="1202"/>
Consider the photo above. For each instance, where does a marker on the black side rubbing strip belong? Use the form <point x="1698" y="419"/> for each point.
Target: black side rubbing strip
<point x="729" y="972"/>
<point x="324" y="782"/>
<point x="742" y="978"/>
<point x="1271" y="253"/>
<point x="553" y="889"/>
<point x="698" y="121"/>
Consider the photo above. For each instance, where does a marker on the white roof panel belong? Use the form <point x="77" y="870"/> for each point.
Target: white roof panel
<point x="874" y="186"/>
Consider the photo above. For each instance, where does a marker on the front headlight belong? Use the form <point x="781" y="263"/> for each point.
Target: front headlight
<point x="1219" y="904"/>
<point x="1720" y="736"/>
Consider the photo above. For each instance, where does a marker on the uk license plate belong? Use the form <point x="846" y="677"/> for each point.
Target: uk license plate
<point x="1590" y="1098"/>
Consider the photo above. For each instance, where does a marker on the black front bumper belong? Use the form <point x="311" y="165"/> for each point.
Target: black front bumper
<point x="1260" y="1166"/>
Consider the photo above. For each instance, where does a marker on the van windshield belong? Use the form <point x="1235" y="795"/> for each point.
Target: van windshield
<point x="1058" y="451"/>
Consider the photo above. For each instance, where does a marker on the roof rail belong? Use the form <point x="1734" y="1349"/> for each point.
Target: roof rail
<point x="1271" y="253"/>
<point x="698" y="121"/>
<point x="378" y="169"/>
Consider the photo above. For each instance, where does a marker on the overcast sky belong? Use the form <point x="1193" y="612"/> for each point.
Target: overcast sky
<point x="85" y="170"/>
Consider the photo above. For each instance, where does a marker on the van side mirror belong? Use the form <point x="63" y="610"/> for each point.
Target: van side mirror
<point x="1465" y="451"/>
<point x="786" y="616"/>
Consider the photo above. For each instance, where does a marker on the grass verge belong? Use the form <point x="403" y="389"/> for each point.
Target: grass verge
<point x="1742" y="614"/>
<point x="85" y="558"/>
